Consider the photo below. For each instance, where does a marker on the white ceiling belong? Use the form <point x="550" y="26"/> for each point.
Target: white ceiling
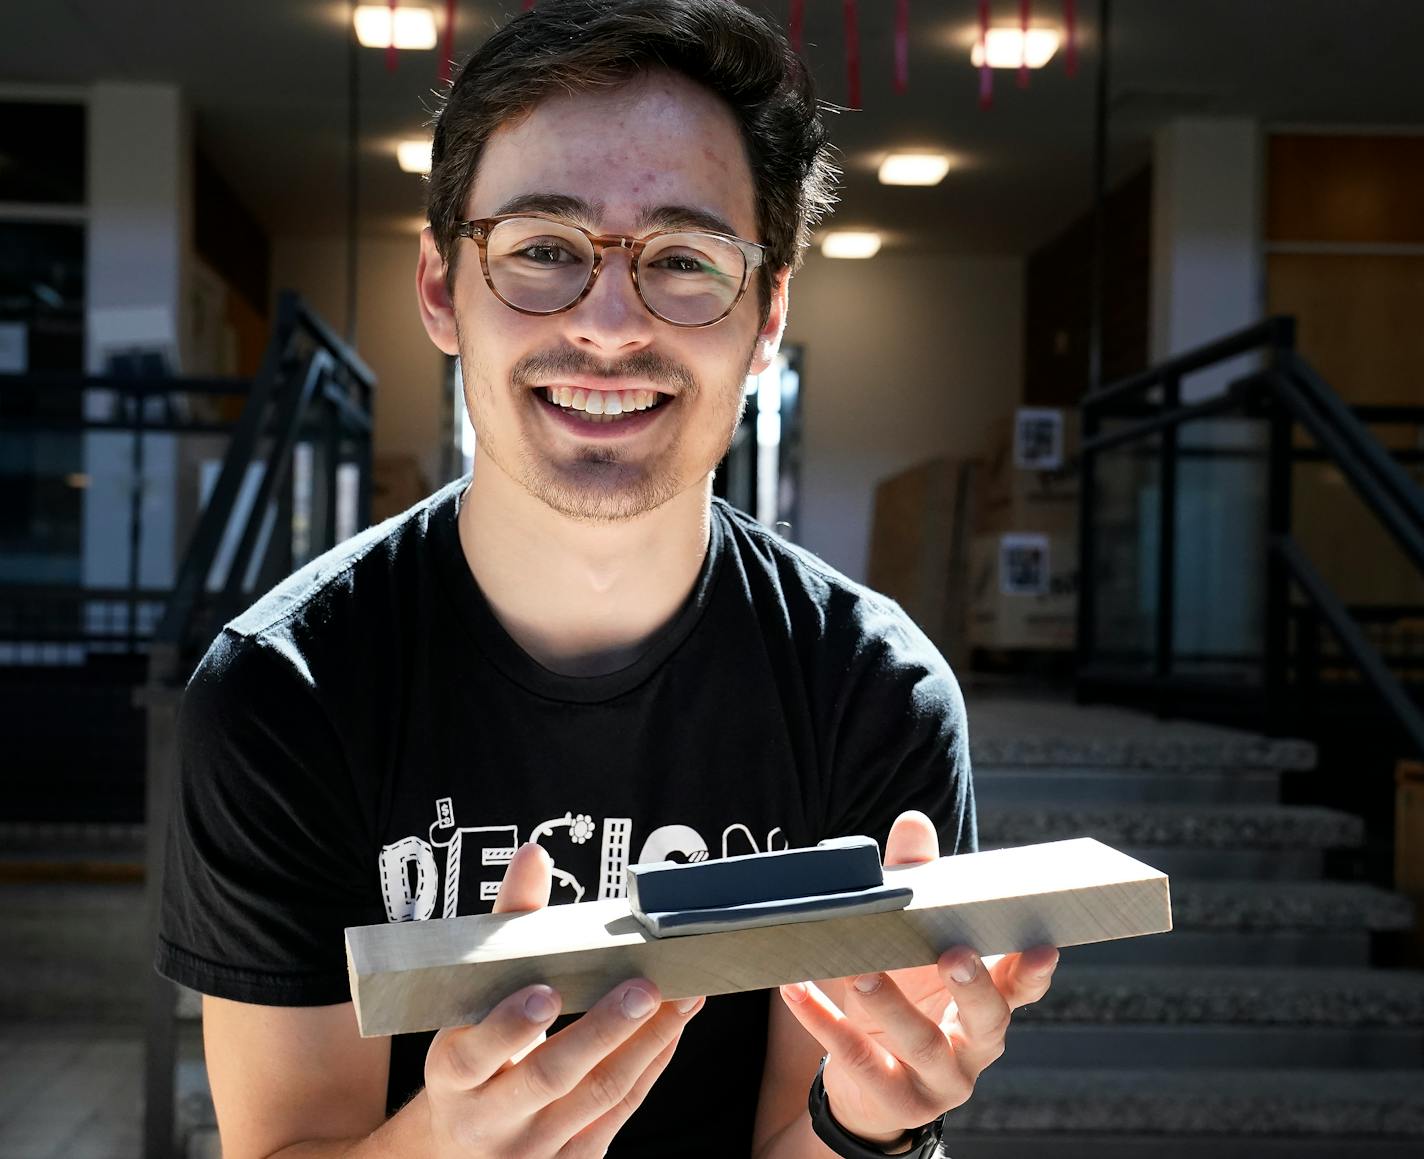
<point x="267" y="80"/>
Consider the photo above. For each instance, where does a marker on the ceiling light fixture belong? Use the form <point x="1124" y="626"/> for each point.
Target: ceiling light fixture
<point x="913" y="169"/>
<point x="850" y="244"/>
<point x="414" y="156"/>
<point x="1009" y="48"/>
<point x="414" y="27"/>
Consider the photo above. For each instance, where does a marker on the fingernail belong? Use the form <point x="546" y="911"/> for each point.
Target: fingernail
<point x="540" y="1006"/>
<point x="687" y="1004"/>
<point x="965" y="971"/>
<point x="1047" y="970"/>
<point x="795" y="991"/>
<point x="637" y="1002"/>
<point x="869" y="983"/>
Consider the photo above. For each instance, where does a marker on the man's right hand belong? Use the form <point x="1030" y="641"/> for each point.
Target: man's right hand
<point x="489" y="1094"/>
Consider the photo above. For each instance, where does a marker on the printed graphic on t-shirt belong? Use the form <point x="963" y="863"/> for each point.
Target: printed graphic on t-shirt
<point x="457" y="869"/>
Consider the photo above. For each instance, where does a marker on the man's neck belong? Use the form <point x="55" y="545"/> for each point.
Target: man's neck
<point x="583" y="599"/>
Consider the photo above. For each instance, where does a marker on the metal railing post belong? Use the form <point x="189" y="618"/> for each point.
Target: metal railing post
<point x="160" y="700"/>
<point x="1087" y="555"/>
<point x="1280" y="474"/>
<point x="1165" y="636"/>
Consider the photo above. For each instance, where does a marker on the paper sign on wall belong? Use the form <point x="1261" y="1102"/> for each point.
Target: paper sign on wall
<point x="1023" y="564"/>
<point x="1038" y="439"/>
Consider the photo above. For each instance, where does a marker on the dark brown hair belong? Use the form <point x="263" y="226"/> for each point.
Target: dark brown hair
<point x="576" y="45"/>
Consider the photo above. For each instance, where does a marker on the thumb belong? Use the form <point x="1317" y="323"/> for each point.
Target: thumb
<point x="527" y="881"/>
<point x="912" y="840"/>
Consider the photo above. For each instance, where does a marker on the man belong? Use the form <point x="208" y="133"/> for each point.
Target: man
<point x="577" y="660"/>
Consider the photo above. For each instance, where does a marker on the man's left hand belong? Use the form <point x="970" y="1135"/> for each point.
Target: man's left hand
<point x="906" y="1046"/>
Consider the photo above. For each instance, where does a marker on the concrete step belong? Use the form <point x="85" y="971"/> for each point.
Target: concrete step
<point x="1080" y="787"/>
<point x="1238" y="864"/>
<point x="73" y="950"/>
<point x="1177" y="1047"/>
<point x="1343" y="949"/>
<point x="1036" y="1145"/>
<point x="1194" y="826"/>
<point x="1237" y="996"/>
<point x="1211" y="1106"/>
<point x="1262" y="924"/>
<point x="1024" y="731"/>
<point x="1278" y="906"/>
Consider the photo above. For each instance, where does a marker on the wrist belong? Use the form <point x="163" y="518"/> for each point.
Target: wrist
<point x="917" y="1143"/>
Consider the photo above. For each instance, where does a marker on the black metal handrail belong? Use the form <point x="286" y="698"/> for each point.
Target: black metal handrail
<point x="1285" y="391"/>
<point x="309" y="381"/>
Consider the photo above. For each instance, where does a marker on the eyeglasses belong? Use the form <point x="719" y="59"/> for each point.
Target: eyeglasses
<point x="540" y="265"/>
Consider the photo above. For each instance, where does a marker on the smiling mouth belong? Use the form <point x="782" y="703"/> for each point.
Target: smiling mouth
<point x="602" y="406"/>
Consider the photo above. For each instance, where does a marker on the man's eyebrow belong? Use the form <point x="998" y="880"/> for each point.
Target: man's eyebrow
<point x="681" y="217"/>
<point x="590" y="213"/>
<point x="577" y="209"/>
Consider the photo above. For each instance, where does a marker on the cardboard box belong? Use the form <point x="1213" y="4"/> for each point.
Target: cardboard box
<point x="1023" y="591"/>
<point x="919" y="548"/>
<point x="1025" y="480"/>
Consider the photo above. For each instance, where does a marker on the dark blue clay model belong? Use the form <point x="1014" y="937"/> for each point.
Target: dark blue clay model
<point x="834" y="879"/>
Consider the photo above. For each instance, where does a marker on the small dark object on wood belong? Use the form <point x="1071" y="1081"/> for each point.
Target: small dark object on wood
<point x="836" y="878"/>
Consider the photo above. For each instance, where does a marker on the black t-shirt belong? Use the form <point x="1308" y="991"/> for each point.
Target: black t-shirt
<point x="367" y="744"/>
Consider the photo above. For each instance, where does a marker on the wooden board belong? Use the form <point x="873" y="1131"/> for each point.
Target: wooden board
<point x="414" y="976"/>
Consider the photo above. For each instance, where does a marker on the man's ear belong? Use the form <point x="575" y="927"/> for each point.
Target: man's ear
<point x="436" y="309"/>
<point x="769" y="337"/>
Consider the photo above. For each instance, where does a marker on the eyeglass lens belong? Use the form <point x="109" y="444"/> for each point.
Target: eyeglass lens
<point x="686" y="278"/>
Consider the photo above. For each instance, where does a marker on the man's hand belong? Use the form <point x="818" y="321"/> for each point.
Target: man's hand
<point x="908" y="1045"/>
<point x="499" y="1089"/>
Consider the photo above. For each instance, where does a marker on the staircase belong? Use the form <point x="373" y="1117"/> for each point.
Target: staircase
<point x="1259" y="1026"/>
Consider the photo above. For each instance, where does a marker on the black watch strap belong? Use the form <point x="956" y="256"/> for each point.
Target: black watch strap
<point x="923" y="1140"/>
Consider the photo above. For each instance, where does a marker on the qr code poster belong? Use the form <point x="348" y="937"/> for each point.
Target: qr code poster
<point x="1023" y="565"/>
<point x="1038" y="439"/>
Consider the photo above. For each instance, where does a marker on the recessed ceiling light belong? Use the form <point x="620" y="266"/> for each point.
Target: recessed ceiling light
<point x="1008" y="48"/>
<point x="913" y="169"/>
<point x="414" y="27"/>
<point x="850" y="244"/>
<point x="414" y="156"/>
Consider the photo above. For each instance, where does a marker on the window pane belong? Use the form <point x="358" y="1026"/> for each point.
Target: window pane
<point x="42" y="153"/>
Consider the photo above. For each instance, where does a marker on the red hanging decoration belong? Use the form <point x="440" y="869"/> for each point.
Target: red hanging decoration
<point x="902" y="45"/>
<point x="797" y="22"/>
<point x="391" y="47"/>
<point x="1023" y="44"/>
<point x="447" y="53"/>
<point x="1070" y="34"/>
<point x="986" y="75"/>
<point x="852" y="42"/>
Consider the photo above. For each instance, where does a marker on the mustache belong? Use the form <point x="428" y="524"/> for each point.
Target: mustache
<point x="644" y="364"/>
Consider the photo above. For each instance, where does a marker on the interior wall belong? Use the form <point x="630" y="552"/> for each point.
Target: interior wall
<point x="907" y="357"/>
<point x="1058" y="310"/>
<point x="409" y="400"/>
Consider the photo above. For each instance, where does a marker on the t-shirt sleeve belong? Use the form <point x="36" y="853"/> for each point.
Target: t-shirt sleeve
<point x="899" y="737"/>
<point x="264" y="869"/>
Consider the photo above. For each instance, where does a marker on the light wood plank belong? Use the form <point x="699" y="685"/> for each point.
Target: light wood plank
<point x="415" y="976"/>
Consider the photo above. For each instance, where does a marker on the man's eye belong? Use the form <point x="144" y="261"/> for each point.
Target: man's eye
<point x="547" y="254"/>
<point x="682" y="264"/>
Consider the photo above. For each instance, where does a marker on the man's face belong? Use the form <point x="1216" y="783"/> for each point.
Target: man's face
<point x="643" y="156"/>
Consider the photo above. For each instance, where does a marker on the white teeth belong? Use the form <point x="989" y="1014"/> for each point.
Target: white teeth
<point x="601" y="405"/>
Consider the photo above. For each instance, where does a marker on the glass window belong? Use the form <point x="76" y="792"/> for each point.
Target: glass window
<point x="42" y="153"/>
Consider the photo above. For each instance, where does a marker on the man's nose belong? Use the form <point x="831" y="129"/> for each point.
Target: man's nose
<point x="613" y="314"/>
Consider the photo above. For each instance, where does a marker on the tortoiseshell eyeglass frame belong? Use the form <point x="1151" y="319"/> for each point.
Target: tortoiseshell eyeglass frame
<point x="478" y="231"/>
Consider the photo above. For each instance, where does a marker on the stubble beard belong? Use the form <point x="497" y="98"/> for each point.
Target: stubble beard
<point x="601" y="483"/>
